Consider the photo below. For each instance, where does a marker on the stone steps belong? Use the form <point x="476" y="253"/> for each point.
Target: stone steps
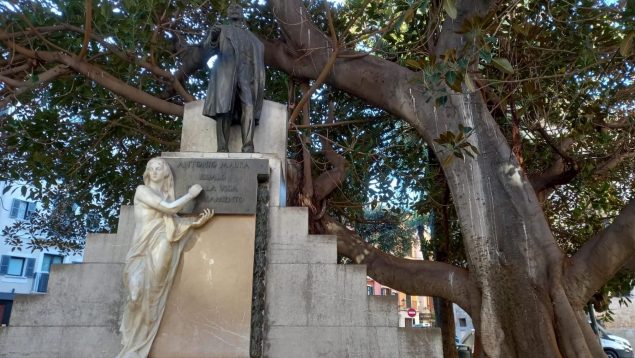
<point x="314" y="306"/>
<point x="111" y="247"/>
<point x="80" y="294"/>
<point x="381" y="311"/>
<point x="318" y="308"/>
<point x="79" y="315"/>
<point x="317" y="249"/>
<point x="59" y="342"/>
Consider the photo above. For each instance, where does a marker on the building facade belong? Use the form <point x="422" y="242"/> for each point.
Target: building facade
<point x="414" y="311"/>
<point x="22" y="271"/>
<point x="463" y="326"/>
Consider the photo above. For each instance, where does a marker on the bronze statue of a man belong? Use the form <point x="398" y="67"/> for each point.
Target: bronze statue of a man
<point x="237" y="79"/>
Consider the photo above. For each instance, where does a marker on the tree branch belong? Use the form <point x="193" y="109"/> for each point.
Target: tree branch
<point x="557" y="173"/>
<point x="153" y="68"/>
<point x="559" y="149"/>
<point x="610" y="164"/>
<point x="325" y="71"/>
<point x="601" y="257"/>
<point x="414" y="277"/>
<point x="12" y="82"/>
<point x="333" y="178"/>
<point x="100" y="76"/>
<point x="43" y="77"/>
<point x="306" y="52"/>
<point x="622" y="123"/>
<point x="88" y="25"/>
<point x="306" y="195"/>
<point x="126" y="56"/>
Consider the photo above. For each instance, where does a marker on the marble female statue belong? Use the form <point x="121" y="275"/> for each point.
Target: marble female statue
<point x="151" y="263"/>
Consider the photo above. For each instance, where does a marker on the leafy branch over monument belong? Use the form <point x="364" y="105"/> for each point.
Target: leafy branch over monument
<point x="90" y="90"/>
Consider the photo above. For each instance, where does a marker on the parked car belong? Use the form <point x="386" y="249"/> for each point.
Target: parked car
<point x="615" y="346"/>
<point x="422" y="325"/>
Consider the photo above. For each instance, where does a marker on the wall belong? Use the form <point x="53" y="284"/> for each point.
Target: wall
<point x="462" y="332"/>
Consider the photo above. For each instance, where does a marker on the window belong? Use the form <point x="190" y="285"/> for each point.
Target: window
<point x="17" y="266"/>
<point x="462" y="322"/>
<point x="49" y="260"/>
<point x="21" y="209"/>
<point x="385" y="291"/>
<point x="369" y="290"/>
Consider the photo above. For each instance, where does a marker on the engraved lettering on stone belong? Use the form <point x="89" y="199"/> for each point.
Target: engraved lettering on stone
<point x="229" y="185"/>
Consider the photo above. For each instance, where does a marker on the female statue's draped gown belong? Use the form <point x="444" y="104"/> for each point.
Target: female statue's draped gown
<point x="148" y="275"/>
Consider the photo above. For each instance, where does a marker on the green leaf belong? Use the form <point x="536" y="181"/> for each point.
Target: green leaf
<point x="409" y="15"/>
<point x="413" y="63"/>
<point x="463" y="62"/>
<point x="446" y="138"/>
<point x="448" y="160"/>
<point x="503" y="65"/>
<point x="627" y="44"/>
<point x="442" y="139"/>
<point x="485" y="55"/>
<point x="453" y="80"/>
<point x="440" y="101"/>
<point x="469" y="83"/>
<point x="450" y="77"/>
<point x="450" y="7"/>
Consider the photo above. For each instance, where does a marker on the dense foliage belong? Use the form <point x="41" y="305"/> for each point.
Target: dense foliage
<point x="90" y="90"/>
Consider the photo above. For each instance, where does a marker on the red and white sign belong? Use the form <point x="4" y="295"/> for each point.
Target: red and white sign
<point x="412" y="312"/>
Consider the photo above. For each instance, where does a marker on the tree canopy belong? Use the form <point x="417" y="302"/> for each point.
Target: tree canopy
<point x="522" y="109"/>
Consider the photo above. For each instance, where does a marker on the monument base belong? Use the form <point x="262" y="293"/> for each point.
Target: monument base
<point x="208" y="312"/>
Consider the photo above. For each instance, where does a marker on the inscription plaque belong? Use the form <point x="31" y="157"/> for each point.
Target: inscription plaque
<point x="229" y="185"/>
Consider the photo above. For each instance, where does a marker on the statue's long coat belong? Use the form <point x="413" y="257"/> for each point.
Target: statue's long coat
<point x="240" y="60"/>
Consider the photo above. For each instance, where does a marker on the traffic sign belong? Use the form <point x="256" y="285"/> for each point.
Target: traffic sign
<point x="412" y="312"/>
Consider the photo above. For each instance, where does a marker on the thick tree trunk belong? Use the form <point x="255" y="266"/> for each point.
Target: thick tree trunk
<point x="513" y="258"/>
<point x="440" y="236"/>
<point x="445" y="321"/>
<point x="525" y="297"/>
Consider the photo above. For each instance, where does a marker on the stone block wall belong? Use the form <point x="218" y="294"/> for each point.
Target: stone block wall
<point x="314" y="306"/>
<point x="79" y="315"/>
<point x="318" y="308"/>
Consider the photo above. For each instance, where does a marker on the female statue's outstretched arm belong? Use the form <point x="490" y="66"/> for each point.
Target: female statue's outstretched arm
<point x="152" y="199"/>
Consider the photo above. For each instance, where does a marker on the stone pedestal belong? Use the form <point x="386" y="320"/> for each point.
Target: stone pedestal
<point x="209" y="308"/>
<point x="208" y="312"/>
<point x="198" y="140"/>
<point x="270" y="136"/>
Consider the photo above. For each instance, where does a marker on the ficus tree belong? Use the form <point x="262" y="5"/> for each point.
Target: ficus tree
<point x="527" y="105"/>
